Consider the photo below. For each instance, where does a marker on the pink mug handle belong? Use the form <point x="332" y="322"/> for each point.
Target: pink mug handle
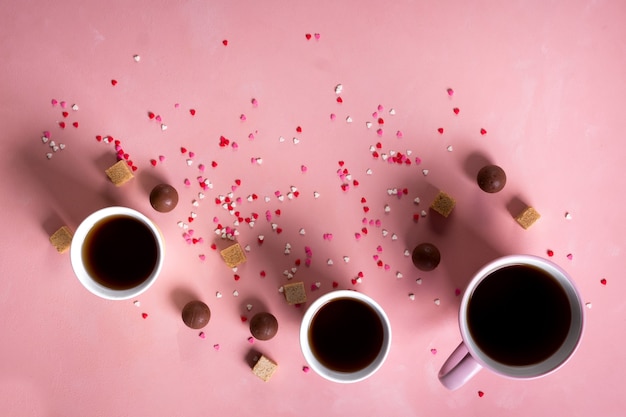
<point x="459" y="368"/>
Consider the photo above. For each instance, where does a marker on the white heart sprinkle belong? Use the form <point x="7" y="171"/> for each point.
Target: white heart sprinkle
<point x="437" y="301"/>
<point x="346" y="259"/>
<point x="61" y="146"/>
<point x="416" y="200"/>
<point x="44" y="139"/>
<point x="330" y="262"/>
<point x="348" y="119"/>
<point x="418" y="281"/>
<point x="75" y="107"/>
<point x="369" y="171"/>
<point x="425" y="172"/>
<point x="296" y="141"/>
<point x="137" y="58"/>
<point x="163" y="127"/>
<point x="235" y="293"/>
<point x="49" y="155"/>
<point x="368" y="124"/>
<point x="218" y="294"/>
<point x="338" y="89"/>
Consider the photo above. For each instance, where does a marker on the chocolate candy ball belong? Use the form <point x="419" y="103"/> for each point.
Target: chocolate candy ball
<point x="163" y="198"/>
<point x="196" y="314"/>
<point x="263" y="326"/>
<point x="426" y="256"/>
<point x="491" y="178"/>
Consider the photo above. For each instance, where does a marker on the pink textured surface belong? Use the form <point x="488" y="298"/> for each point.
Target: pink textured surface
<point x="545" y="79"/>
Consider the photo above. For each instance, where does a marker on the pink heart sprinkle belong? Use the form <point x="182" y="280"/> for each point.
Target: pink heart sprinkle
<point x="202" y="335"/>
<point x="379" y="132"/>
<point x="54" y="102"/>
<point x="191" y="154"/>
<point x="333" y="116"/>
<point x="202" y="257"/>
<point x="250" y="339"/>
<point x="317" y="36"/>
<point x="161" y="158"/>
<point x="46" y="134"/>
<point x="243" y="118"/>
<point x="570" y="256"/>
<point x="216" y="346"/>
<point x="450" y="92"/>
<point x="63" y="104"/>
<point x="399" y="134"/>
<point x="433" y="351"/>
<point x="158" y="118"/>
<point x="306" y="369"/>
<point x="255" y="102"/>
<point x="187" y="182"/>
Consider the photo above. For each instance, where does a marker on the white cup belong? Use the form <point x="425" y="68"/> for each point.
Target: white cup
<point x="378" y="330"/>
<point x="469" y="357"/>
<point x="79" y="254"/>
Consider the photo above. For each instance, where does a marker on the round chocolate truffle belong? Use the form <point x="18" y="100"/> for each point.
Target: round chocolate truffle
<point x="263" y="326"/>
<point x="163" y="198"/>
<point x="196" y="314"/>
<point x="491" y="178"/>
<point x="426" y="256"/>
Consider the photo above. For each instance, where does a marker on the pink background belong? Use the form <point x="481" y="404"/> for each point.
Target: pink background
<point x="545" y="79"/>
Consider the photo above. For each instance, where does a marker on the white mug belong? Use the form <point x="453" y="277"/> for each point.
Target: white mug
<point x="487" y="348"/>
<point x="345" y="336"/>
<point x="128" y="266"/>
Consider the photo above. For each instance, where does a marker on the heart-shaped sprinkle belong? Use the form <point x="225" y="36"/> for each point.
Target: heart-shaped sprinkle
<point x="202" y="335"/>
<point x="481" y="394"/>
<point x="192" y="112"/>
<point x="317" y="36"/>
<point x="225" y="42"/>
<point x="440" y="130"/>
<point x="306" y="369"/>
<point x="144" y="315"/>
<point x="307" y="36"/>
<point x="603" y="281"/>
<point x="433" y="351"/>
<point x="65" y="114"/>
<point x="456" y="110"/>
<point x="450" y="91"/>
<point x="62" y="125"/>
<point x="113" y="82"/>
<point x="483" y="132"/>
<point x="570" y="256"/>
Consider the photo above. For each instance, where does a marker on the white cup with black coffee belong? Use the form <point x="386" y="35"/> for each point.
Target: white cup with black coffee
<point x="520" y="317"/>
<point x="117" y="253"/>
<point x="345" y="336"/>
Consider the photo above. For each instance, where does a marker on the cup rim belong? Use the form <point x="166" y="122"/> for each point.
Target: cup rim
<point x="330" y="374"/>
<point x="78" y="241"/>
<point x="556" y="360"/>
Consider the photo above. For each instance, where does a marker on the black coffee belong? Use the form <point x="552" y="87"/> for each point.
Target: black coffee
<point x="120" y="252"/>
<point x="346" y="335"/>
<point x="519" y="315"/>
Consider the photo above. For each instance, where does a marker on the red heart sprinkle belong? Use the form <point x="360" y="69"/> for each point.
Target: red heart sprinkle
<point x="440" y="130"/>
<point x="360" y="274"/>
<point x="483" y="132"/>
<point x="238" y="181"/>
<point x="99" y="138"/>
<point x="114" y="82"/>
<point x="144" y="315"/>
<point x="134" y="168"/>
<point x="65" y="114"/>
<point x="62" y="125"/>
<point x="381" y="121"/>
<point x="192" y="112"/>
<point x="603" y="281"/>
<point x="366" y="209"/>
<point x="225" y="42"/>
<point x="339" y="100"/>
<point x="550" y="252"/>
<point x="363" y="200"/>
<point x="480" y="394"/>
<point x="244" y="319"/>
<point x="262" y="274"/>
<point x="354" y="281"/>
<point x="379" y="145"/>
<point x="455" y="110"/>
<point x="151" y="115"/>
<point x="183" y="150"/>
<point x="279" y="230"/>
<point x="214" y="164"/>
<point x="153" y="162"/>
<point x="75" y="124"/>
<point x="335" y="284"/>
<point x="307" y="36"/>
<point x="236" y="277"/>
<point x="278" y="212"/>
<point x="299" y="129"/>
<point x="341" y="163"/>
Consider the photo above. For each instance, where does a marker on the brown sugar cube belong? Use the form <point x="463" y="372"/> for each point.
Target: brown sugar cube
<point x="443" y="204"/>
<point x="295" y="292"/>
<point x="264" y="368"/>
<point x="62" y="239"/>
<point x="527" y="217"/>
<point x="119" y="173"/>
<point x="233" y="255"/>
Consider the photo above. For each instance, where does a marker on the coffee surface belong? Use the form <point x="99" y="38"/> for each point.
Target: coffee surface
<point x="120" y="252"/>
<point x="346" y="335"/>
<point x="519" y="315"/>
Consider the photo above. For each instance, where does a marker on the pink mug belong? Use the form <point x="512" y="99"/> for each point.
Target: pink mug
<point x="520" y="317"/>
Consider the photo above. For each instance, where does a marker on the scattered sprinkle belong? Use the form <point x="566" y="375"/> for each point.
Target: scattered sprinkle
<point x="603" y="281"/>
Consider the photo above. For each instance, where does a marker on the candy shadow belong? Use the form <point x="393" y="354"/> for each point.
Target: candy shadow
<point x="516" y="206"/>
<point x="180" y="296"/>
<point x="473" y="163"/>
